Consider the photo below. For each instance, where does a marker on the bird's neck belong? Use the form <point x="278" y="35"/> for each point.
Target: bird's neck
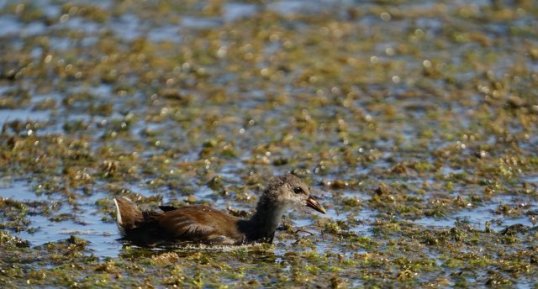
<point x="263" y="224"/>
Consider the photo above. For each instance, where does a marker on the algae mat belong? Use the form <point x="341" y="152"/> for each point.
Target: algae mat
<point x="415" y="121"/>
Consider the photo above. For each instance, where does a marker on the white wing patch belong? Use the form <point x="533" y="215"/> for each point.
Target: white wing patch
<point x="118" y="214"/>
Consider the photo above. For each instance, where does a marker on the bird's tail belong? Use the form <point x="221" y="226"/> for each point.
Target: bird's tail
<point x="127" y="213"/>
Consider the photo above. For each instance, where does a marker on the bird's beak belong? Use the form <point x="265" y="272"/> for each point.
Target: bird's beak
<point x="312" y="203"/>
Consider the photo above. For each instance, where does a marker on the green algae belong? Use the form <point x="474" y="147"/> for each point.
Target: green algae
<point x="415" y="123"/>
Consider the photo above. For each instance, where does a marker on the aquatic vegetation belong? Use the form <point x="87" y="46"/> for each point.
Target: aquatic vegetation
<point x="414" y="121"/>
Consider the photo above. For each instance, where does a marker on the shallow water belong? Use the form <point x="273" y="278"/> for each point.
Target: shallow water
<point x="486" y="214"/>
<point x="415" y="122"/>
<point x="88" y="223"/>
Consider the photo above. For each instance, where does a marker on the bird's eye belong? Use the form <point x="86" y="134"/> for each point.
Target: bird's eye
<point x="298" y="190"/>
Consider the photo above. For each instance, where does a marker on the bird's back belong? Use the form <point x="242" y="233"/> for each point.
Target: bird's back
<point x="200" y="224"/>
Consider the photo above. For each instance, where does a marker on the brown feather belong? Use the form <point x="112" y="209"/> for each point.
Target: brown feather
<point x="199" y="223"/>
<point x="203" y="224"/>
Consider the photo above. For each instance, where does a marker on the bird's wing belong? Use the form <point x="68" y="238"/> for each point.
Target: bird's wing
<point x="185" y="226"/>
<point x="200" y="223"/>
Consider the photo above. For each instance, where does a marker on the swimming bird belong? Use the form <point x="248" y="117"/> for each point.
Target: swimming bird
<point x="206" y="225"/>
